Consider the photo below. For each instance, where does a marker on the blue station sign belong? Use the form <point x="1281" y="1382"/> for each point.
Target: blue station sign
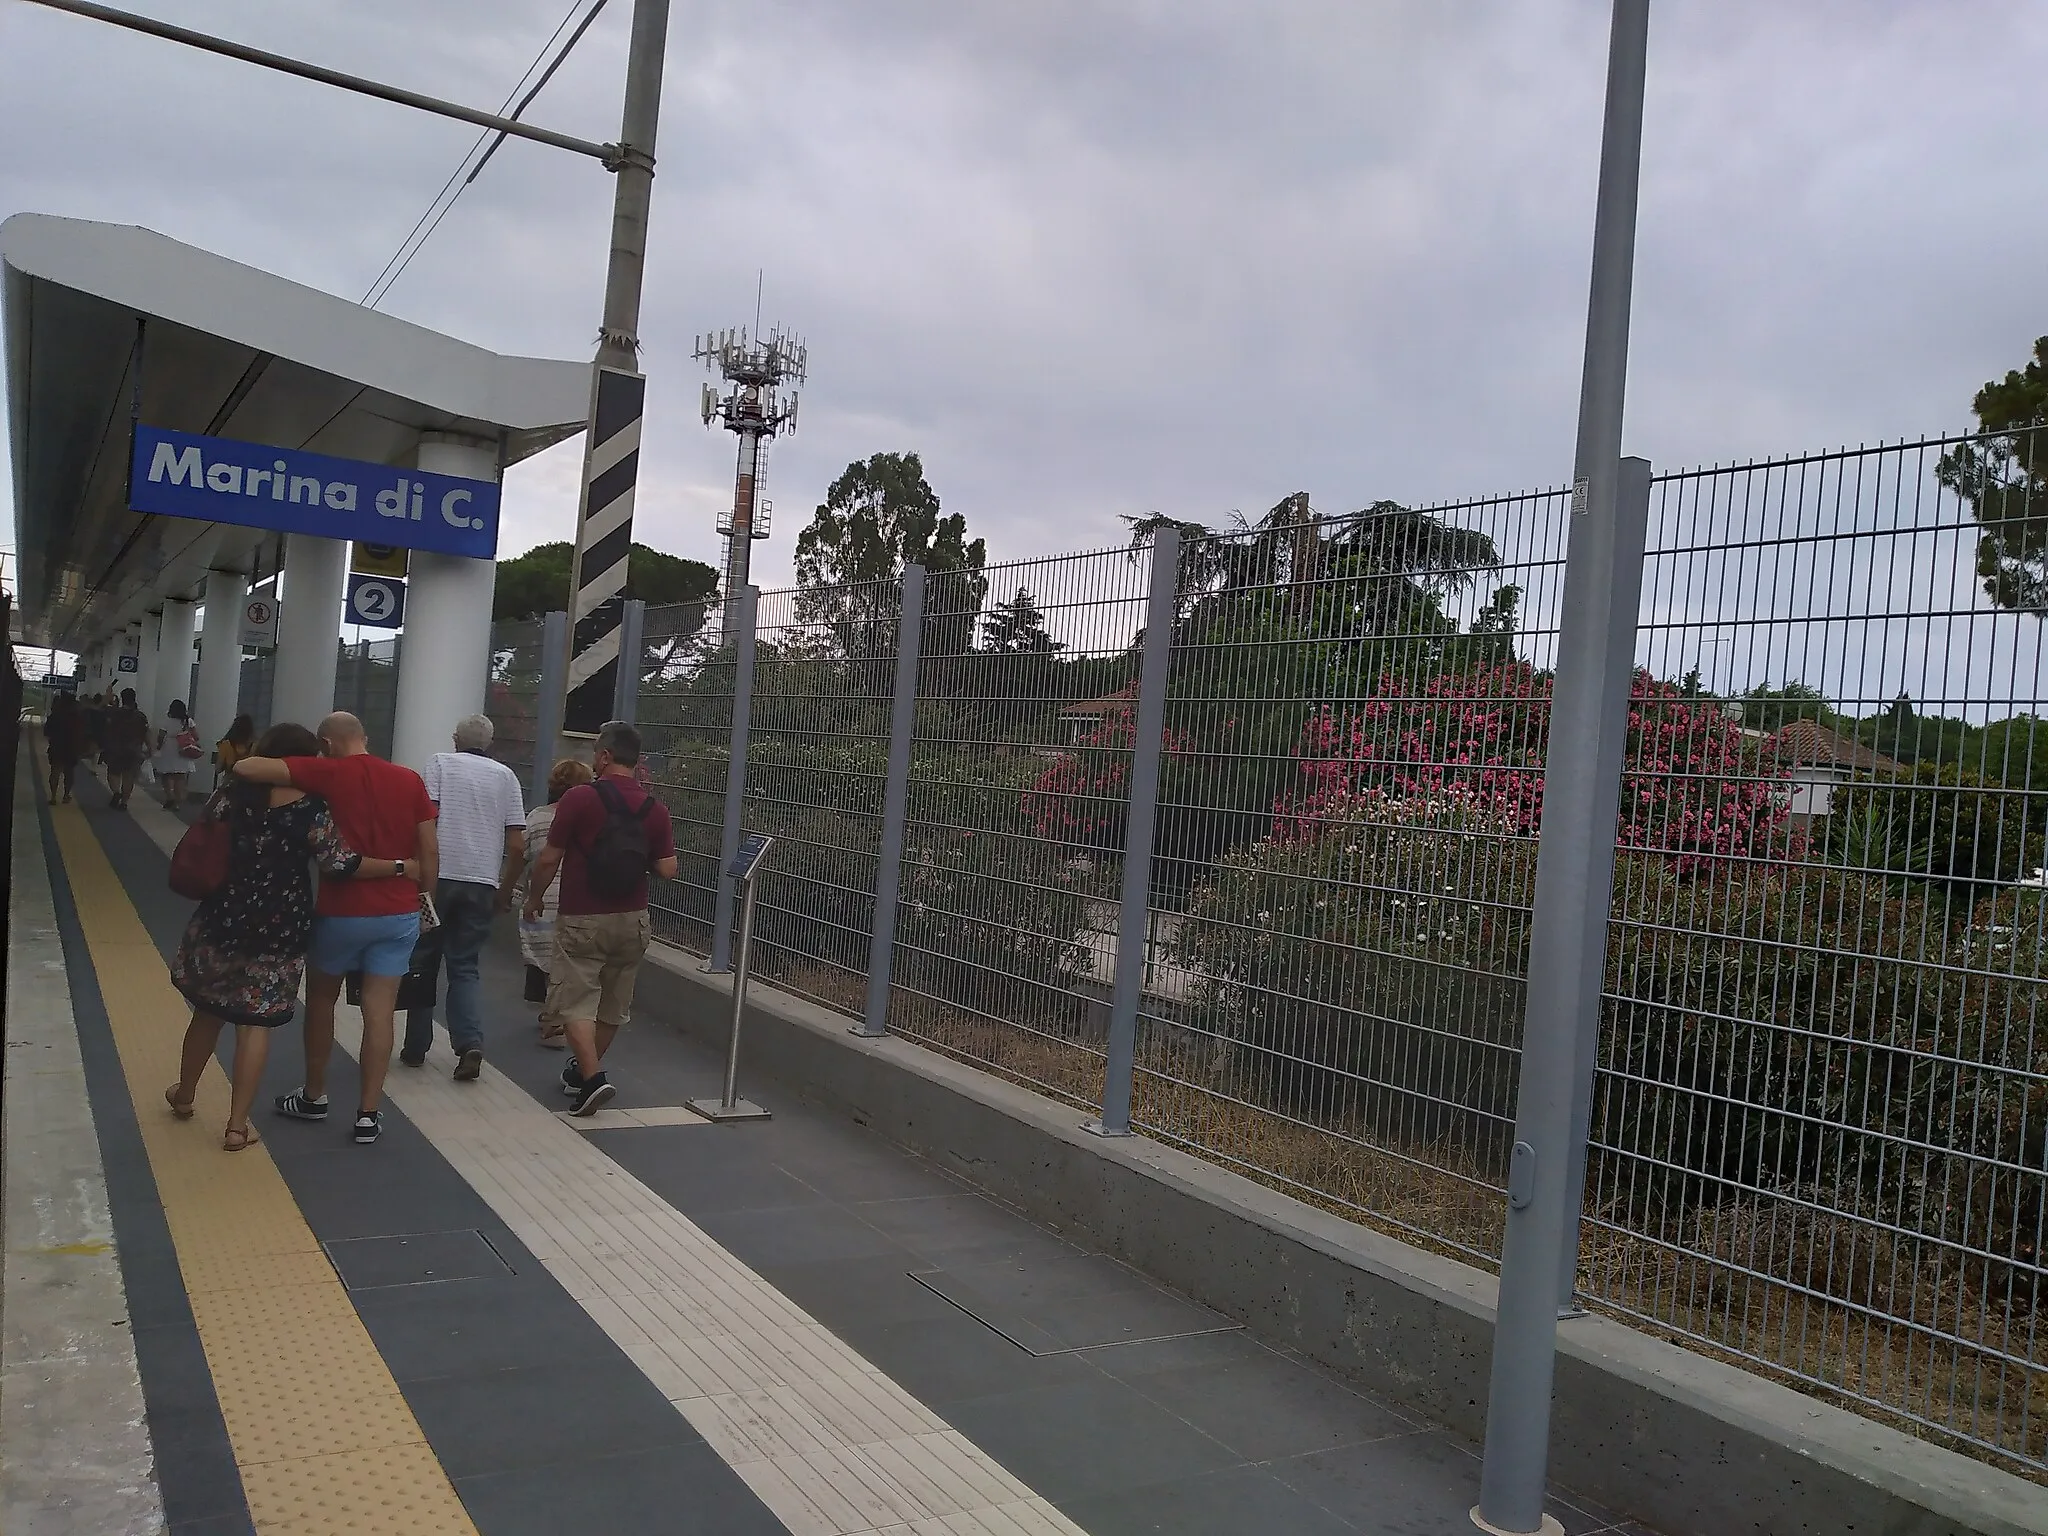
<point x="214" y="479"/>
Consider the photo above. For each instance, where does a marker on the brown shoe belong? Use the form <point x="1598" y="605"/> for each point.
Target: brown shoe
<point x="469" y="1066"/>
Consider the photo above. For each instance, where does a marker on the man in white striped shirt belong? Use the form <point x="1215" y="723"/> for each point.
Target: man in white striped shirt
<point x="483" y="848"/>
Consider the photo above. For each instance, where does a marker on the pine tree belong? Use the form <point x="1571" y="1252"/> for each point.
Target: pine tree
<point x="1017" y="628"/>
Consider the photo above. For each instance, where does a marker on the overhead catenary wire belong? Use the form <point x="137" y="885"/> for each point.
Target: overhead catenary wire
<point x="466" y="172"/>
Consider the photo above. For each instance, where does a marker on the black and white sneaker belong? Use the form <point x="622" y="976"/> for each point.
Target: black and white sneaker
<point x="469" y="1065"/>
<point x="572" y="1079"/>
<point x="369" y="1126"/>
<point x="296" y="1106"/>
<point x="595" y="1095"/>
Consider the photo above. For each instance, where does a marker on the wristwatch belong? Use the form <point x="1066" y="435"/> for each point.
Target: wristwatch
<point x="400" y="875"/>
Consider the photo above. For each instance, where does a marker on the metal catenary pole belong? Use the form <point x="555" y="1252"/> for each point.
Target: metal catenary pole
<point x="547" y="725"/>
<point x="895" y="802"/>
<point x="735" y="778"/>
<point x="1134" y="912"/>
<point x="618" y="396"/>
<point x="1568" y="934"/>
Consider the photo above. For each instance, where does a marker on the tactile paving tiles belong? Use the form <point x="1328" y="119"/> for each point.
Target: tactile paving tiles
<point x="830" y="1444"/>
<point x="326" y="1450"/>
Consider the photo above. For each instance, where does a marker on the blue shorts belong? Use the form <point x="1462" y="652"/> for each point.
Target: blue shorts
<point x="376" y="946"/>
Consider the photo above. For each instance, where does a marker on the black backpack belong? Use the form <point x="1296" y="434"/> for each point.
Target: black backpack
<point x="617" y="859"/>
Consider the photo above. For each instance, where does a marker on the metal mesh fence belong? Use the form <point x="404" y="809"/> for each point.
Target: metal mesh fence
<point x="1818" y="1139"/>
<point x="366" y="685"/>
<point x="1820" y="1126"/>
<point x="1337" y="900"/>
<point x="1011" y="861"/>
<point x="512" y="694"/>
<point x="685" y="720"/>
<point x="818" y="743"/>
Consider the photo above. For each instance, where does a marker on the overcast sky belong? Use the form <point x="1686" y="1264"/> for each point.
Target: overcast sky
<point x="1104" y="259"/>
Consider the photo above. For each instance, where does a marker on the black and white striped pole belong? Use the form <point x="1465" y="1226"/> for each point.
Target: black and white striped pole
<point x="618" y="398"/>
<point x="604" y="535"/>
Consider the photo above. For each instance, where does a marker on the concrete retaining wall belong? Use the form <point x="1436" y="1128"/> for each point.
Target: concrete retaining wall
<point x="1686" y="1444"/>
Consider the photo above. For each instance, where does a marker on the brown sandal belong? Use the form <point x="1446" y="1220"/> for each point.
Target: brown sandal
<point x="242" y="1140"/>
<point x="181" y="1108"/>
<point x="553" y="1037"/>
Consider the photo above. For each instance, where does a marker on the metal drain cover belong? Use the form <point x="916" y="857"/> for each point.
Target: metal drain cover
<point x="416" y="1258"/>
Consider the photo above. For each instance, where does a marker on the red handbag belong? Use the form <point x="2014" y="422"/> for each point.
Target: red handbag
<point x="199" y="864"/>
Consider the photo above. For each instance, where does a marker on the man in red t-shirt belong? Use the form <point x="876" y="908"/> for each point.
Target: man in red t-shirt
<point x="363" y="926"/>
<point x="601" y="931"/>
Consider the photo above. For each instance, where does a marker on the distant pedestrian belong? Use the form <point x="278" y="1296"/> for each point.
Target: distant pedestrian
<point x="244" y="951"/>
<point x="63" y="743"/>
<point x="124" y="742"/>
<point x="537" y="934"/>
<point x="177" y="753"/>
<point x="608" y="836"/>
<point x="368" y="927"/>
<point x="95" y="713"/>
<point x="240" y="742"/>
<point x="481" y="828"/>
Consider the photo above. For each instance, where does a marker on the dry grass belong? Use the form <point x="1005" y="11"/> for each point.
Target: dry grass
<point x="1738" y="1282"/>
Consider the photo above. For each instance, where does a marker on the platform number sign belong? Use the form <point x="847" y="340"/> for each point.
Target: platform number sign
<point x="128" y="664"/>
<point x="375" y="601"/>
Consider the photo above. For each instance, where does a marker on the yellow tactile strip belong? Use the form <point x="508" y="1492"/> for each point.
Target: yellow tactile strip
<point x="333" y="1448"/>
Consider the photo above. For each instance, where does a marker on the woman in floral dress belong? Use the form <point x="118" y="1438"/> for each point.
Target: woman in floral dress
<point x="244" y="952"/>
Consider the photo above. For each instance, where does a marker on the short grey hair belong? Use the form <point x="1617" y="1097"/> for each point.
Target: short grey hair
<point x="473" y="733"/>
<point x="621" y="740"/>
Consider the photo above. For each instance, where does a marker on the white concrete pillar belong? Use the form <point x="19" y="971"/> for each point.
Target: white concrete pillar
<point x="174" y="658"/>
<point x="220" y="655"/>
<point x="308" y="629"/>
<point x="446" y="653"/>
<point x="146" y="670"/>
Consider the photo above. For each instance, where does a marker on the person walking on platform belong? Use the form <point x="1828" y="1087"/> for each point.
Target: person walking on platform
<point x="177" y="751"/>
<point x="244" y="951"/>
<point x="63" y="743"/>
<point x="537" y="935"/>
<point x="95" y="713"/>
<point x="607" y="837"/>
<point x="124" y="742"/>
<point x="368" y="927"/>
<point x="481" y="829"/>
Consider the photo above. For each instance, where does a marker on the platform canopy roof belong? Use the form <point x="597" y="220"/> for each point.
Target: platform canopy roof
<point x="222" y="349"/>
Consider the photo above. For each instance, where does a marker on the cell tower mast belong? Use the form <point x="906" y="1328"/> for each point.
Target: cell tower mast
<point x="757" y="404"/>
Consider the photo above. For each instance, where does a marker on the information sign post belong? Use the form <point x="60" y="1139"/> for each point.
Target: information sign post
<point x="753" y="853"/>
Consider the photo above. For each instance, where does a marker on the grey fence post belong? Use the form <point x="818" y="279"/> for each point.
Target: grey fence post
<point x="895" y="803"/>
<point x="1568" y="929"/>
<point x="1631" y="538"/>
<point x="735" y="779"/>
<point x="626" y="692"/>
<point x="1133" y="923"/>
<point x="547" y="723"/>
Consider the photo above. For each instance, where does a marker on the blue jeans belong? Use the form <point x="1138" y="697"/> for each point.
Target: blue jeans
<point x="466" y="910"/>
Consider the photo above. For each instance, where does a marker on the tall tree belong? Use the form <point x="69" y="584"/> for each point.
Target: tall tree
<point x="537" y="583"/>
<point x="1017" y="628"/>
<point x="2004" y="479"/>
<point x="880" y="515"/>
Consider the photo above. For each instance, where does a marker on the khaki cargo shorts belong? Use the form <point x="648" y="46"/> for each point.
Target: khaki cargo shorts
<point x="597" y="960"/>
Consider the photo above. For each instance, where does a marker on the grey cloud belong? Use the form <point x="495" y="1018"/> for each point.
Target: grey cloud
<point x="1103" y="259"/>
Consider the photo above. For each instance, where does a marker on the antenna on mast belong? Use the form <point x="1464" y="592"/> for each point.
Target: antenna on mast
<point x="757" y="404"/>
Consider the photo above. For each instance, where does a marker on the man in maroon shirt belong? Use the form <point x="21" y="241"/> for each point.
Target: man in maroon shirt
<point x="607" y="837"/>
<point x="365" y="926"/>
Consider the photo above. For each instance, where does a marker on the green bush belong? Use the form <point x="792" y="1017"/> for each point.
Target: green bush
<point x="1768" y="1027"/>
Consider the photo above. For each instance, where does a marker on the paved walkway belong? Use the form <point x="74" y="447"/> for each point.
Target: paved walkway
<point x="502" y="1321"/>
